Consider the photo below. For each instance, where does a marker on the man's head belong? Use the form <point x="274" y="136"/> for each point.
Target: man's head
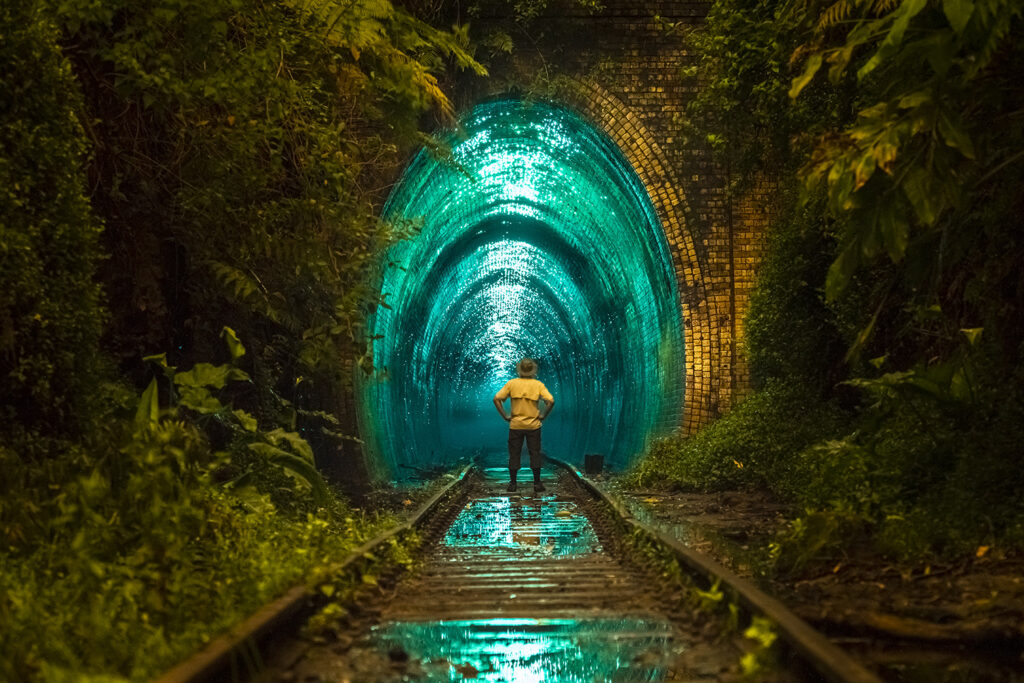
<point x="527" y="367"/>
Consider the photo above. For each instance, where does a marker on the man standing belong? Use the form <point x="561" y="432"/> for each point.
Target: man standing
<point x="525" y="420"/>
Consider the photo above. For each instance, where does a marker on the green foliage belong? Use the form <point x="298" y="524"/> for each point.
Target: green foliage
<point x="931" y="81"/>
<point x="242" y="151"/>
<point x="919" y="478"/>
<point x="192" y="395"/>
<point x="525" y="12"/>
<point x="792" y="336"/>
<point x="743" y="448"/>
<point x="891" y="280"/>
<point x="50" y="312"/>
<point x="763" y="659"/>
<point x="128" y="581"/>
<point x="506" y="29"/>
<point x="153" y="542"/>
<point x="239" y="149"/>
<point x="394" y="42"/>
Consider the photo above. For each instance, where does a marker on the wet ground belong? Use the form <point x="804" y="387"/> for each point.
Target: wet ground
<point x="522" y="588"/>
<point x="955" y="621"/>
<point x="734" y="527"/>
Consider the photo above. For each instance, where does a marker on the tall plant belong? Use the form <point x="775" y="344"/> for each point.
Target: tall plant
<point x="50" y="309"/>
<point x="242" y="150"/>
<point x="935" y="145"/>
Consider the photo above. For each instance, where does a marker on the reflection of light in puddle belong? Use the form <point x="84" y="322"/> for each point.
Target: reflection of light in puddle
<point x="525" y="650"/>
<point x="548" y="525"/>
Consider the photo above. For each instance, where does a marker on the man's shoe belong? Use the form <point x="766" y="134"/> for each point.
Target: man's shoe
<point x="538" y="487"/>
<point x="511" y="487"/>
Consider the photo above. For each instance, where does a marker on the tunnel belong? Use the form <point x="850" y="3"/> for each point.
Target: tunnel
<point x="534" y="238"/>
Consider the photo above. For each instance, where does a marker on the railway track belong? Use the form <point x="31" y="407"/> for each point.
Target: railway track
<point x="559" y="585"/>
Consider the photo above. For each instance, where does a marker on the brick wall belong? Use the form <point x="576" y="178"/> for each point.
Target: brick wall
<point x="621" y="69"/>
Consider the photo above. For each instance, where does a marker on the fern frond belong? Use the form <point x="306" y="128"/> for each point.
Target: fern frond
<point x="241" y="286"/>
<point x="428" y="82"/>
<point x="351" y="24"/>
<point x="881" y="7"/>
<point x="838" y="12"/>
<point x="245" y="290"/>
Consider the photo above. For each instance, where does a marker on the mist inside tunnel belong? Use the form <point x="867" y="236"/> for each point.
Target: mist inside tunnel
<point x="537" y="239"/>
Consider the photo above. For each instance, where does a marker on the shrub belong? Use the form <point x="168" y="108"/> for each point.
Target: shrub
<point x="122" y="557"/>
<point x="50" y="312"/>
<point x="747" y="446"/>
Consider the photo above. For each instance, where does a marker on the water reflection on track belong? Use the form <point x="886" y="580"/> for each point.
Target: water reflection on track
<point x="518" y="589"/>
<point x="539" y="525"/>
<point x="533" y="650"/>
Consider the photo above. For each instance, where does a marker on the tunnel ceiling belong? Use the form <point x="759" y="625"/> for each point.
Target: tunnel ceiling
<point x="537" y="240"/>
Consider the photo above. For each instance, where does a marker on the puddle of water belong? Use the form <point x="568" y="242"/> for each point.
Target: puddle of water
<point x="500" y="474"/>
<point x="555" y="527"/>
<point x="532" y="650"/>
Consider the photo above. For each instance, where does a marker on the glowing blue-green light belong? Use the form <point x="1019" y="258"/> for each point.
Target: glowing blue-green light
<point x="537" y="650"/>
<point x="539" y="240"/>
<point x="538" y="526"/>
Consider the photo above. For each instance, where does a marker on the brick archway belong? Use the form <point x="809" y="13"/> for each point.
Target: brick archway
<point x="702" y="337"/>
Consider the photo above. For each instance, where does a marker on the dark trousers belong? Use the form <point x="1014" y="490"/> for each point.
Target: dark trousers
<point x="515" y="447"/>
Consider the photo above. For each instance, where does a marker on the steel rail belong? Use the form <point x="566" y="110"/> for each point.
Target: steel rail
<point x="240" y="644"/>
<point x="812" y="646"/>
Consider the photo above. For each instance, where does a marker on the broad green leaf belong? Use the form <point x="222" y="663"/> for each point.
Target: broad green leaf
<point x="973" y="334"/>
<point x="841" y="180"/>
<point x="235" y="347"/>
<point x="918" y="188"/>
<point x="864" y="169"/>
<point x="247" y="421"/>
<point x="902" y="15"/>
<point x="958" y="13"/>
<point x="941" y="51"/>
<point x="148" y="410"/>
<point x="294" y="441"/>
<point x="960" y="385"/>
<point x="841" y="270"/>
<point x="935" y="379"/>
<point x="871" y="239"/>
<point x="160" y="359"/>
<point x="862" y="337"/>
<point x="895" y="233"/>
<point x="206" y="375"/>
<point x="839" y="60"/>
<point x="247" y="493"/>
<point x="801" y="81"/>
<point x="955" y="136"/>
<point x="915" y="99"/>
<point x="302" y="471"/>
<point x="200" y="400"/>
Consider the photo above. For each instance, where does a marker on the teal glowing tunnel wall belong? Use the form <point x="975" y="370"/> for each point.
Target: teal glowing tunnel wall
<point x="538" y="241"/>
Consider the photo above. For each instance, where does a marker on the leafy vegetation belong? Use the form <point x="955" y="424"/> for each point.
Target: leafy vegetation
<point x="50" y="314"/>
<point x="241" y="148"/>
<point x="152" y="541"/>
<point x="745" y="448"/>
<point x="171" y="167"/>
<point x="888" y="299"/>
<point x="183" y="176"/>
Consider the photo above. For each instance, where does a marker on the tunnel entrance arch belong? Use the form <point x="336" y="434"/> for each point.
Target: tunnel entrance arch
<point x="538" y="239"/>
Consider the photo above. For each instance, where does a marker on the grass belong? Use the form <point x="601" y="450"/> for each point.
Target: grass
<point x="95" y="586"/>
